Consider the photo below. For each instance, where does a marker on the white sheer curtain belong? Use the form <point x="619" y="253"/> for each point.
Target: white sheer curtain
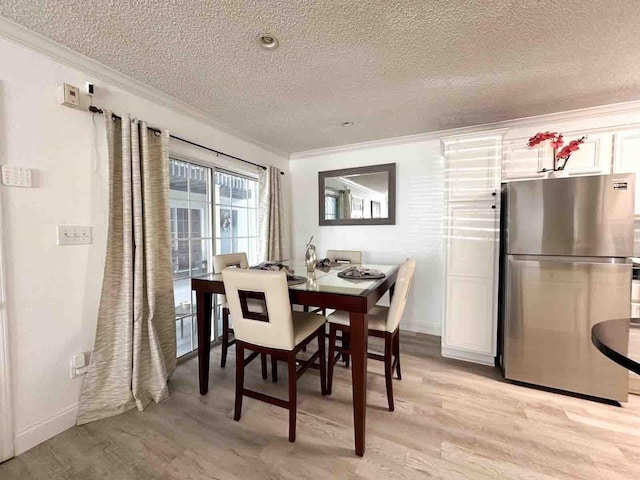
<point x="135" y="345"/>
<point x="270" y="216"/>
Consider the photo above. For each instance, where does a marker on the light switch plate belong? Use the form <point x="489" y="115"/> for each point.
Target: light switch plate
<point x="74" y="235"/>
<point x="14" y="176"/>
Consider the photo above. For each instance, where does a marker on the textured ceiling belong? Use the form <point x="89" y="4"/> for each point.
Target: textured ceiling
<point x="392" y="67"/>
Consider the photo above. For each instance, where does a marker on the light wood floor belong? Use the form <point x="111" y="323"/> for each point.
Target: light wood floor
<point x="452" y="421"/>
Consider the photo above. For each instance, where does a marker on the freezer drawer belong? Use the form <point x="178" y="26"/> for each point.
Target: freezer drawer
<point x="551" y="305"/>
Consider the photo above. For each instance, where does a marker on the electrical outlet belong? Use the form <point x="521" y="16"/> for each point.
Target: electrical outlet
<point x="78" y="365"/>
<point x="74" y="235"/>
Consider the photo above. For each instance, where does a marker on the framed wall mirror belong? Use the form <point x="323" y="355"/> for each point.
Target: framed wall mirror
<point x="358" y="196"/>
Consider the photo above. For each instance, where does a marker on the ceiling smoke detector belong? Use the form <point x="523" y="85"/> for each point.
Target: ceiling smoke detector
<point x="268" y="41"/>
<point x="347" y="124"/>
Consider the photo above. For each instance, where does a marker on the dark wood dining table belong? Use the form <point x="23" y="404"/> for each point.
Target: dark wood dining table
<point x="322" y="290"/>
<point x="611" y="337"/>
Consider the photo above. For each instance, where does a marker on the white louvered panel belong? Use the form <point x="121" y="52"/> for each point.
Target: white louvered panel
<point x="472" y="167"/>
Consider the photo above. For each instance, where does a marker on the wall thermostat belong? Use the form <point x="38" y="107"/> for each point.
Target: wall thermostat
<point x="69" y="95"/>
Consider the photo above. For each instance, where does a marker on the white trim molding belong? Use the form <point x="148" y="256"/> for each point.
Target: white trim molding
<point x="45" y="429"/>
<point x="429" y="329"/>
<point x="467" y="356"/>
<point x="23" y="36"/>
<point x="582" y="113"/>
<point x="6" y="400"/>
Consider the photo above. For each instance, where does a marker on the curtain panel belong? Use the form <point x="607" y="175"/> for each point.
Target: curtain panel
<point x="135" y="345"/>
<point x="344" y="204"/>
<point x="270" y="212"/>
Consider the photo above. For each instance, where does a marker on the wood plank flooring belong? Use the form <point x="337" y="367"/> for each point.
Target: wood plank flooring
<point x="452" y="421"/>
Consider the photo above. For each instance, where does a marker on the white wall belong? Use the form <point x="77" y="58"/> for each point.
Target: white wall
<point x="53" y="291"/>
<point x="419" y="218"/>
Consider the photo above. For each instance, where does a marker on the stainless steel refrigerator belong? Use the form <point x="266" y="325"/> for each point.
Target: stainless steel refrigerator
<point x="565" y="244"/>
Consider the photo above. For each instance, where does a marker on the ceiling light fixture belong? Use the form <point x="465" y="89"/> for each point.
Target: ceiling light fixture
<point x="268" y="41"/>
<point x="347" y="124"/>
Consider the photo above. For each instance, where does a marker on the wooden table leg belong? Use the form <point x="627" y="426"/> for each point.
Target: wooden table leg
<point x="204" y="302"/>
<point x="359" y="343"/>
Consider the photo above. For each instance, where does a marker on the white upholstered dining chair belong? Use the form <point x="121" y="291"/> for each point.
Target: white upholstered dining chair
<point x="237" y="260"/>
<point x="279" y="332"/>
<point x="351" y="256"/>
<point x="384" y="322"/>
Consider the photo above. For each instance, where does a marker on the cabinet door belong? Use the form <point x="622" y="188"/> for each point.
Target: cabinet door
<point x="627" y="158"/>
<point x="470" y="304"/>
<point x="522" y="163"/>
<point x="594" y="156"/>
<point x="472" y="166"/>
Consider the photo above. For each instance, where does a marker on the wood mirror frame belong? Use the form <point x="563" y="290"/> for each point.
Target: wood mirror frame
<point x="388" y="168"/>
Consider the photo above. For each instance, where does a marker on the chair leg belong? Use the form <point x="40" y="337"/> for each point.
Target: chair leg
<point x="331" y="359"/>
<point x="239" y="380"/>
<point x="263" y="361"/>
<point x="396" y="342"/>
<point x="274" y="369"/>
<point x="293" y="401"/>
<point x="323" y="361"/>
<point x="225" y="337"/>
<point x="388" y="368"/>
<point x="346" y="343"/>
<point x="305" y="308"/>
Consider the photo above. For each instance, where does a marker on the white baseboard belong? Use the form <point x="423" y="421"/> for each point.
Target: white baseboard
<point x="429" y="329"/>
<point x="45" y="429"/>
<point x="473" y="357"/>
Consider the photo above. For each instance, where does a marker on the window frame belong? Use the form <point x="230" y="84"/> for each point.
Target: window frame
<point x="212" y="201"/>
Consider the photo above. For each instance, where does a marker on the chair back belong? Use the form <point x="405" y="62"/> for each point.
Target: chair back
<point x="400" y="294"/>
<point x="272" y="329"/>
<point x="354" y="256"/>
<point x="220" y="262"/>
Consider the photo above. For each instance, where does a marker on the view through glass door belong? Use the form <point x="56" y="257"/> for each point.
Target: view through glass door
<point x="201" y="197"/>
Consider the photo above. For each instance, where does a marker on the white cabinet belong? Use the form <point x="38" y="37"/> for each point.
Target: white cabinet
<point x="472" y="171"/>
<point x="626" y="158"/>
<point x="594" y="156"/>
<point x="472" y="165"/>
<point x="521" y="162"/>
<point x="469" y="329"/>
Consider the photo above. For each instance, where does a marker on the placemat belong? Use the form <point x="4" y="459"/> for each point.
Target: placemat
<point x="355" y="273"/>
<point x="295" y="280"/>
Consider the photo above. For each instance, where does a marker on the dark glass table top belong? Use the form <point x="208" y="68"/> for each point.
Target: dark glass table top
<point x="611" y="337"/>
<point x="324" y="281"/>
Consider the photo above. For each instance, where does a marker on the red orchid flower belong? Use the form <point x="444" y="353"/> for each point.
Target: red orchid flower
<point x="557" y="142"/>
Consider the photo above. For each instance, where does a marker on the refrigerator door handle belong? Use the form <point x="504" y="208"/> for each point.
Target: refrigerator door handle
<point x="567" y="259"/>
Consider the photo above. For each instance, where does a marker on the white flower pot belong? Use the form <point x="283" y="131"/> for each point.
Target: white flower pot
<point x="558" y="174"/>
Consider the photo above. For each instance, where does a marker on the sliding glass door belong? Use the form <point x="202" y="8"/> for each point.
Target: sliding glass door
<point x="200" y="197"/>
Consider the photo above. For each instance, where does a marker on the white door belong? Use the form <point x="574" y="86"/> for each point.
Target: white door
<point x="470" y="327"/>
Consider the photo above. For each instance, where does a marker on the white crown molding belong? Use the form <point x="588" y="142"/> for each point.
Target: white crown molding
<point x="497" y="127"/>
<point x="72" y="59"/>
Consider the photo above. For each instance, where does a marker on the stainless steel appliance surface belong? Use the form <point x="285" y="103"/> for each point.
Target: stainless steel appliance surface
<point x="565" y="258"/>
